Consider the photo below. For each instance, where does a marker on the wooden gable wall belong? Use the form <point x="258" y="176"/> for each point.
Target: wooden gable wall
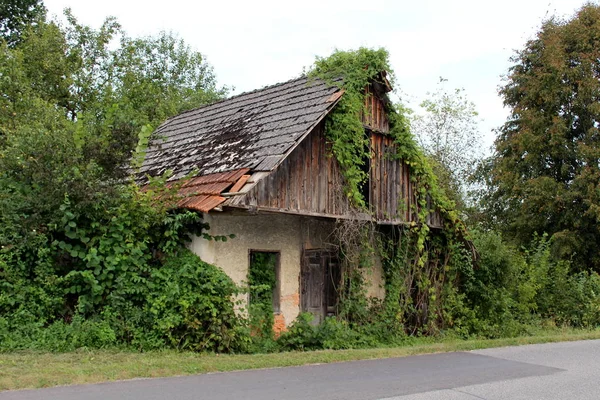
<point x="375" y="116"/>
<point x="309" y="180"/>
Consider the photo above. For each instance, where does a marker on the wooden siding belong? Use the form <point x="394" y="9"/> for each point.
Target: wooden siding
<point x="375" y="116"/>
<point x="309" y="182"/>
<point x="393" y="197"/>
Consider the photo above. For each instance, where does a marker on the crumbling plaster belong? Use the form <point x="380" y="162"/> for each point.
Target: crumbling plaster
<point x="287" y="234"/>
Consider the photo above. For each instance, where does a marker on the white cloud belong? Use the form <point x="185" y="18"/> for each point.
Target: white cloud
<point x="255" y="43"/>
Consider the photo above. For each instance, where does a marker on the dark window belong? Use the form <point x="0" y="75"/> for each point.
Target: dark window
<point x="264" y="278"/>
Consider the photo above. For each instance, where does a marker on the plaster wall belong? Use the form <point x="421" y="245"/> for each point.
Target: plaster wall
<point x="287" y="234"/>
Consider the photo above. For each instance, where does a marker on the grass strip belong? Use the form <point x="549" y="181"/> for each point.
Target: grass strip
<point x="30" y="369"/>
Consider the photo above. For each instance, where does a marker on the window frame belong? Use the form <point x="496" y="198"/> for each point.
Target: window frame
<point x="276" y="297"/>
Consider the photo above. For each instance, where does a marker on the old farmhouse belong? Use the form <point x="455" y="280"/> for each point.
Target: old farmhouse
<point x="265" y="173"/>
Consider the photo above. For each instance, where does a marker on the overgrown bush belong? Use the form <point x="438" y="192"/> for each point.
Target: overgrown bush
<point x="330" y="334"/>
<point x="60" y="336"/>
<point x="512" y="290"/>
<point x="191" y="302"/>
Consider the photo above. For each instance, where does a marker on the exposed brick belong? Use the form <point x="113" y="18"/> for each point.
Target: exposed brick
<point x="278" y="324"/>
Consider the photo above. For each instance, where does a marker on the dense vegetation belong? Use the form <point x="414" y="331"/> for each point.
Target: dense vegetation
<point x="545" y="173"/>
<point x="88" y="259"/>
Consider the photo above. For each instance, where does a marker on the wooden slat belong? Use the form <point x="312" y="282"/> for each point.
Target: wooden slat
<point x="239" y="184"/>
<point x="377" y="178"/>
<point x="323" y="184"/>
<point x="314" y="173"/>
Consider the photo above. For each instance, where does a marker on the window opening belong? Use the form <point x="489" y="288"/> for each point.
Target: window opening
<point x="264" y="279"/>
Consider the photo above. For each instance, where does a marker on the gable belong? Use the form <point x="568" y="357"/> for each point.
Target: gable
<point x="307" y="182"/>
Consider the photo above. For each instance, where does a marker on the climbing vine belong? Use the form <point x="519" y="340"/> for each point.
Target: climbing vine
<point x="415" y="261"/>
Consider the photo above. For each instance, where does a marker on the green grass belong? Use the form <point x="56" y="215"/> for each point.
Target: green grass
<point x="28" y="369"/>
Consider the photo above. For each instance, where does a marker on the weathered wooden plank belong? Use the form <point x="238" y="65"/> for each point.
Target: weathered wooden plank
<point x="406" y="195"/>
<point x="308" y="182"/>
<point x="383" y="183"/>
<point x="288" y="184"/>
<point x="322" y="173"/>
<point x="283" y="182"/>
<point x="305" y="173"/>
<point x="295" y="177"/>
<point x="314" y="201"/>
<point x="394" y="187"/>
<point x="376" y="174"/>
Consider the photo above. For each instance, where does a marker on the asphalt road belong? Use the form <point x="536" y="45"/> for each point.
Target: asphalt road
<point x="549" y="371"/>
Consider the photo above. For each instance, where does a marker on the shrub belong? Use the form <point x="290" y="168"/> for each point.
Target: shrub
<point x="191" y="302"/>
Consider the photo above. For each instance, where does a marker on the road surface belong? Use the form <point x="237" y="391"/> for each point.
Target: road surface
<point x="547" y="371"/>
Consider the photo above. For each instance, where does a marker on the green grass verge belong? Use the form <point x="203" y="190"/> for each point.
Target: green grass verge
<point x="28" y="369"/>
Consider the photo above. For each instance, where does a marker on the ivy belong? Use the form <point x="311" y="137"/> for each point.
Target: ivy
<point x="425" y="263"/>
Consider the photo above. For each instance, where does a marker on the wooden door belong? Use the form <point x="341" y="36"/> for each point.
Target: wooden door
<point x="319" y="282"/>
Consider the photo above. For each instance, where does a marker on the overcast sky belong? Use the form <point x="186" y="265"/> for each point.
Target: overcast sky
<point x="256" y="43"/>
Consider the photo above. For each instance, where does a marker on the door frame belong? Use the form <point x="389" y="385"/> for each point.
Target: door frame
<point x="328" y="258"/>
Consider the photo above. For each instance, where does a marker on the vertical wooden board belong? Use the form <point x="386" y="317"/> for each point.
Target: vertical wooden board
<point x="329" y="203"/>
<point x="374" y="111"/>
<point x="384" y="181"/>
<point x="304" y="177"/>
<point x="288" y="185"/>
<point x="263" y="193"/>
<point x="405" y="189"/>
<point x="312" y="284"/>
<point x="372" y="179"/>
<point x="314" y="204"/>
<point x="296" y="178"/>
<point x="377" y="115"/>
<point x="323" y="185"/>
<point x="376" y="175"/>
<point x="283" y="177"/>
<point x="338" y="206"/>
<point x="333" y="194"/>
<point x="380" y="163"/>
<point x="271" y="191"/>
<point x="251" y="197"/>
<point x="386" y="200"/>
<point x="395" y="179"/>
<point x="308" y="170"/>
<point x="393" y="187"/>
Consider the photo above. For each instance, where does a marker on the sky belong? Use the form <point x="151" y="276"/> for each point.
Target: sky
<point x="256" y="43"/>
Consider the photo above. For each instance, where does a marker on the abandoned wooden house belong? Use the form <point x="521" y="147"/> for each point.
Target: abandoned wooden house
<point x="265" y="173"/>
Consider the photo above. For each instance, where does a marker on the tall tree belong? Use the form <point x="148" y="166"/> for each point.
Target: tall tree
<point x="73" y="101"/>
<point x="446" y="126"/>
<point x="545" y="174"/>
<point x="112" y="87"/>
<point x="16" y="15"/>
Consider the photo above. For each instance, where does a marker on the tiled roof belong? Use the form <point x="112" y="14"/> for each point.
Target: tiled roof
<point x="204" y="192"/>
<point x="253" y="131"/>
